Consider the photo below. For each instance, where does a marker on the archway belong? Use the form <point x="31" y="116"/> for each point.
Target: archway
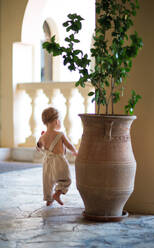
<point x="27" y="53"/>
<point x="32" y="30"/>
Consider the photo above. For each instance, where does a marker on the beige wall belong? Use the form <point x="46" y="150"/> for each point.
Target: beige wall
<point x="141" y="79"/>
<point x="11" y="16"/>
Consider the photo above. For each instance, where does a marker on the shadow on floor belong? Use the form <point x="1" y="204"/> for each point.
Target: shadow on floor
<point x="6" y="166"/>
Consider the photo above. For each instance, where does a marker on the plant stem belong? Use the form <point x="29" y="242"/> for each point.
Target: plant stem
<point x="98" y="87"/>
<point x="110" y="96"/>
<point x="98" y="110"/>
<point x="112" y="88"/>
<point x="106" y="108"/>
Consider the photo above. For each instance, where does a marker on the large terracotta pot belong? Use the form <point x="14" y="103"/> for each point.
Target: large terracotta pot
<point x="105" y="166"/>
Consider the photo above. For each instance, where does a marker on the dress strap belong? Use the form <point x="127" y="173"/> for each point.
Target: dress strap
<point x="55" y="141"/>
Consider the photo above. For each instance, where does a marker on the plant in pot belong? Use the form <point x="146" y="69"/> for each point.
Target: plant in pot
<point x="105" y="166"/>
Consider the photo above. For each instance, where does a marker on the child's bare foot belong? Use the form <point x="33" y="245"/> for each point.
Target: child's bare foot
<point x="56" y="197"/>
<point x="48" y="203"/>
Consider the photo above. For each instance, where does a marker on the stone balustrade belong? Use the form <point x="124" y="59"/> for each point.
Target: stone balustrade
<point x="69" y="100"/>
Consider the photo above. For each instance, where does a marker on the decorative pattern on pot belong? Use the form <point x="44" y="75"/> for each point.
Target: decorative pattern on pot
<point x="105" y="166"/>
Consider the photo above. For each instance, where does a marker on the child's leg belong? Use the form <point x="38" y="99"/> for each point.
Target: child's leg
<point x="48" y="203"/>
<point x="62" y="178"/>
<point x="56" y="196"/>
<point x="47" y="184"/>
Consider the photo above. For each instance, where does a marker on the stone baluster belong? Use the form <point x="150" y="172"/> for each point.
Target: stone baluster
<point x="49" y="94"/>
<point x="31" y="140"/>
<point x="67" y="93"/>
<point x="84" y="93"/>
<point x="86" y="103"/>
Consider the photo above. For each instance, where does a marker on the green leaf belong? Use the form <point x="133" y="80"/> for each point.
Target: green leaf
<point x="77" y="83"/>
<point x="53" y="38"/>
<point x="72" y="37"/>
<point x="76" y="52"/>
<point x="116" y="97"/>
<point x="93" y="100"/>
<point x="65" y="24"/>
<point x="76" y="41"/>
<point x="97" y="94"/>
<point x="67" y="39"/>
<point x="91" y="93"/>
<point x="107" y="83"/>
<point x="45" y="45"/>
<point x="129" y="108"/>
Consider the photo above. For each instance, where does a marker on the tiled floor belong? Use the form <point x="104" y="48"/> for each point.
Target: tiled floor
<point x="25" y="221"/>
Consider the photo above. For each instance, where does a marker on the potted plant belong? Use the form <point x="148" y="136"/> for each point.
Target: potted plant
<point x="105" y="166"/>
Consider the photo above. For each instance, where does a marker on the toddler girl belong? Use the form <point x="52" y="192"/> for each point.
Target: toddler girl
<point x="55" y="166"/>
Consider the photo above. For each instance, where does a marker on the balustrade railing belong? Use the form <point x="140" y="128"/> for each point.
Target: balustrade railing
<point x="69" y="100"/>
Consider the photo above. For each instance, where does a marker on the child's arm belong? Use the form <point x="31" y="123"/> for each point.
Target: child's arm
<point x="39" y="145"/>
<point x="68" y="144"/>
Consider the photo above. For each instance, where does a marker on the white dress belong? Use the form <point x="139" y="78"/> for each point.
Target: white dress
<point x="55" y="171"/>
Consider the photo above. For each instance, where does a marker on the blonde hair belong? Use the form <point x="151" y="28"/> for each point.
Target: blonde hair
<point x="49" y="115"/>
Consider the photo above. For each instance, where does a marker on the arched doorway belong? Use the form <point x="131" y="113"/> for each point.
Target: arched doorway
<point x="38" y="24"/>
<point x="50" y="66"/>
<point x="38" y="13"/>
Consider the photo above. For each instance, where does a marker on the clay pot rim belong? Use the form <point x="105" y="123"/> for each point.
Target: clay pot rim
<point x="115" y="116"/>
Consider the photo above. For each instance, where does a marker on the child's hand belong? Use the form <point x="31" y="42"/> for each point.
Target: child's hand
<point x="39" y="145"/>
<point x="75" y="153"/>
<point x="37" y="148"/>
